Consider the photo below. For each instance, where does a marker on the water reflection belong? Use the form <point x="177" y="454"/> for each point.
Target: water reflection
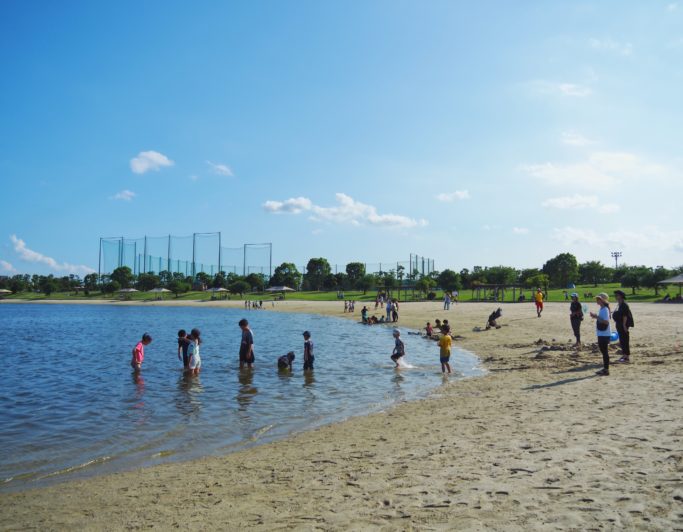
<point x="309" y="379"/>
<point x="247" y="391"/>
<point x="188" y="399"/>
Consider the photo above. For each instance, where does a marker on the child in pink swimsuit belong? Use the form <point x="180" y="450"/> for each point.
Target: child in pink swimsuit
<point x="139" y="352"/>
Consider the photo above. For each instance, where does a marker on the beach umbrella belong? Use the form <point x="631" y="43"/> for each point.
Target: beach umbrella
<point x="158" y="290"/>
<point x="280" y="289"/>
<point x="674" y="280"/>
<point x="221" y="289"/>
<point x="3" y="291"/>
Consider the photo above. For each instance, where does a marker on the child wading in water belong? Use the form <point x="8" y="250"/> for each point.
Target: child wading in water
<point x="139" y="352"/>
<point x="445" y="354"/>
<point x="285" y="361"/>
<point x="399" y="348"/>
<point x="183" y="346"/>
<point x="247" y="345"/>
<point x="308" y="351"/>
<point x="195" y="361"/>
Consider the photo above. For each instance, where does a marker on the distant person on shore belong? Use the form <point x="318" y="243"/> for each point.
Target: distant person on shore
<point x="538" y="298"/>
<point x="399" y="348"/>
<point x="445" y="343"/>
<point x="394" y="311"/>
<point x="428" y="330"/>
<point x="493" y="319"/>
<point x="364" y="314"/>
<point x="183" y="346"/>
<point x="247" y="345"/>
<point x="602" y="328"/>
<point x="446" y="301"/>
<point x="195" y="360"/>
<point x="623" y="319"/>
<point x="346" y="307"/>
<point x="139" y="352"/>
<point x="576" y="317"/>
<point x="309" y="358"/>
<point x="388" y="309"/>
<point x="437" y="324"/>
<point x="456" y="295"/>
<point x="285" y="361"/>
<point x="445" y="327"/>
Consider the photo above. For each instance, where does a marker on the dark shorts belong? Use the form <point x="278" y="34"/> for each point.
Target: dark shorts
<point x="247" y="358"/>
<point x="186" y="360"/>
<point x="396" y="357"/>
<point x="445" y="360"/>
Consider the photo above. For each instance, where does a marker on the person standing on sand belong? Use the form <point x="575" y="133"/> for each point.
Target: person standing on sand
<point x="388" y="309"/>
<point x="247" y="345"/>
<point x="538" y="298"/>
<point x="623" y="319"/>
<point x="446" y="301"/>
<point x="603" y="330"/>
<point x="575" y="318"/>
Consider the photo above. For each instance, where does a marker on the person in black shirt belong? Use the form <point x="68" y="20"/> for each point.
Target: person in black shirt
<point x="623" y="319"/>
<point x="285" y="361"/>
<point x="576" y="317"/>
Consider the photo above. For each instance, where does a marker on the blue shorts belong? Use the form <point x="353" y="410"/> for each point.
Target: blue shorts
<point x="445" y="360"/>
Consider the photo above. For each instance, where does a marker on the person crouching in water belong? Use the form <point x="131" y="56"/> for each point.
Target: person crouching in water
<point x="445" y="350"/>
<point x="308" y="352"/>
<point x="139" y="352"/>
<point x="493" y="319"/>
<point x="285" y="361"/>
<point x="399" y="348"/>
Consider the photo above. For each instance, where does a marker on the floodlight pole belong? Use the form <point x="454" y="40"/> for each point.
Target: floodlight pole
<point x="219" y="252"/>
<point x="168" y="255"/>
<point x="194" y="267"/>
<point x="144" y="258"/>
<point x="99" y="263"/>
<point x="615" y="256"/>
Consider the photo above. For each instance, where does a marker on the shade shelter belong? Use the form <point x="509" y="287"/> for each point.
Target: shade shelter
<point x="280" y="289"/>
<point x="4" y="292"/>
<point x="126" y="292"/>
<point x="678" y="280"/>
<point x="159" y="292"/>
<point x="219" y="290"/>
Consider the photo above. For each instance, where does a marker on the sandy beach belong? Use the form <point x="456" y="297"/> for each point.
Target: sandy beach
<point x="539" y="443"/>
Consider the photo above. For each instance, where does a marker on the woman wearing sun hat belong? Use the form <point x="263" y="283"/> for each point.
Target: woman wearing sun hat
<point x="603" y="330"/>
<point x="576" y="317"/>
<point x="623" y="319"/>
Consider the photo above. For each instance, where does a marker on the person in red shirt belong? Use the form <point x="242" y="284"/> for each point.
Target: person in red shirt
<point x="139" y="352"/>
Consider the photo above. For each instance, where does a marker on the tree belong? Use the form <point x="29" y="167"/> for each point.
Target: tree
<point x="653" y="277"/>
<point x="18" y="284"/>
<point x="525" y="274"/>
<point x="122" y="275"/>
<point x="594" y="272"/>
<point x="540" y="280"/>
<point x="342" y="281"/>
<point x="465" y="278"/>
<point x="239" y="287"/>
<point x="148" y="281"/>
<point x="425" y="285"/>
<point x="316" y="272"/>
<point x="203" y="278"/>
<point x="448" y="280"/>
<point x="48" y="285"/>
<point x="503" y="275"/>
<point x="365" y="283"/>
<point x="634" y="277"/>
<point x="286" y="274"/>
<point x="562" y="270"/>
<point x="90" y="283"/>
<point x="178" y="287"/>
<point x="165" y="278"/>
<point x="330" y="282"/>
<point x="256" y="281"/>
<point x="355" y="271"/>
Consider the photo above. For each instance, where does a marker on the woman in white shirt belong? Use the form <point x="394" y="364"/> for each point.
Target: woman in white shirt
<point x="602" y="321"/>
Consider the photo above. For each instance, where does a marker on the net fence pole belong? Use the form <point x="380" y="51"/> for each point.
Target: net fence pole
<point x="168" y="254"/>
<point x="194" y="247"/>
<point x="219" y="252"/>
<point x="270" y="261"/>
<point x="244" y="261"/>
<point x="144" y="259"/>
<point x="99" y="262"/>
<point x="135" y="262"/>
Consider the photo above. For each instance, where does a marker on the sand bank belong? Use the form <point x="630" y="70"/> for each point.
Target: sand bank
<point x="538" y="443"/>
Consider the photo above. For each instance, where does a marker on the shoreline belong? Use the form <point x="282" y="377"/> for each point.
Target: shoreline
<point x="484" y="452"/>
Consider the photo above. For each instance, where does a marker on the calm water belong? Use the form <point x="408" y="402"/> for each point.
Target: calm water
<point x="70" y="405"/>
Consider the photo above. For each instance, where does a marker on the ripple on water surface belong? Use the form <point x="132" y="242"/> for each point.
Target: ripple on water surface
<point x="72" y="407"/>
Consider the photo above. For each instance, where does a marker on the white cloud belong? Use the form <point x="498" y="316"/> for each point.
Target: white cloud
<point x="572" y="89"/>
<point x="520" y="230"/>
<point x="646" y="238"/>
<point x="220" y="169"/>
<point x="610" y="45"/>
<point x="149" y="160"/>
<point x="124" y="195"/>
<point x="7" y="267"/>
<point x="347" y="211"/>
<point x="29" y="255"/>
<point x="578" y="202"/>
<point x="290" y="206"/>
<point x="602" y="170"/>
<point x="571" y="138"/>
<point x="449" y="197"/>
<point x="673" y="6"/>
<point x="194" y="177"/>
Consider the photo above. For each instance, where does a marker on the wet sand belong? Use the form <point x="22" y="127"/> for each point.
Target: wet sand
<point x="539" y="443"/>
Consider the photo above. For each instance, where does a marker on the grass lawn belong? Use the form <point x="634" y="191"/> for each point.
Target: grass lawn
<point x="465" y="295"/>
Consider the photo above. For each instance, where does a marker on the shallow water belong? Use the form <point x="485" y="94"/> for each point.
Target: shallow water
<point x="70" y="405"/>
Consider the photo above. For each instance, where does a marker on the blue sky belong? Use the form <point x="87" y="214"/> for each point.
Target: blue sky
<point x="474" y="133"/>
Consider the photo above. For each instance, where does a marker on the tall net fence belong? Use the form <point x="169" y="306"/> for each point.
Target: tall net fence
<point x="188" y="255"/>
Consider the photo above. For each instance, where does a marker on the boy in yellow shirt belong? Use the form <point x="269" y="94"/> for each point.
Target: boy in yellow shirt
<point x="539" y="301"/>
<point x="445" y="354"/>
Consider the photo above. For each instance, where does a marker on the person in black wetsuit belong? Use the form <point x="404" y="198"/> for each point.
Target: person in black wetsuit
<point x="623" y="319"/>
